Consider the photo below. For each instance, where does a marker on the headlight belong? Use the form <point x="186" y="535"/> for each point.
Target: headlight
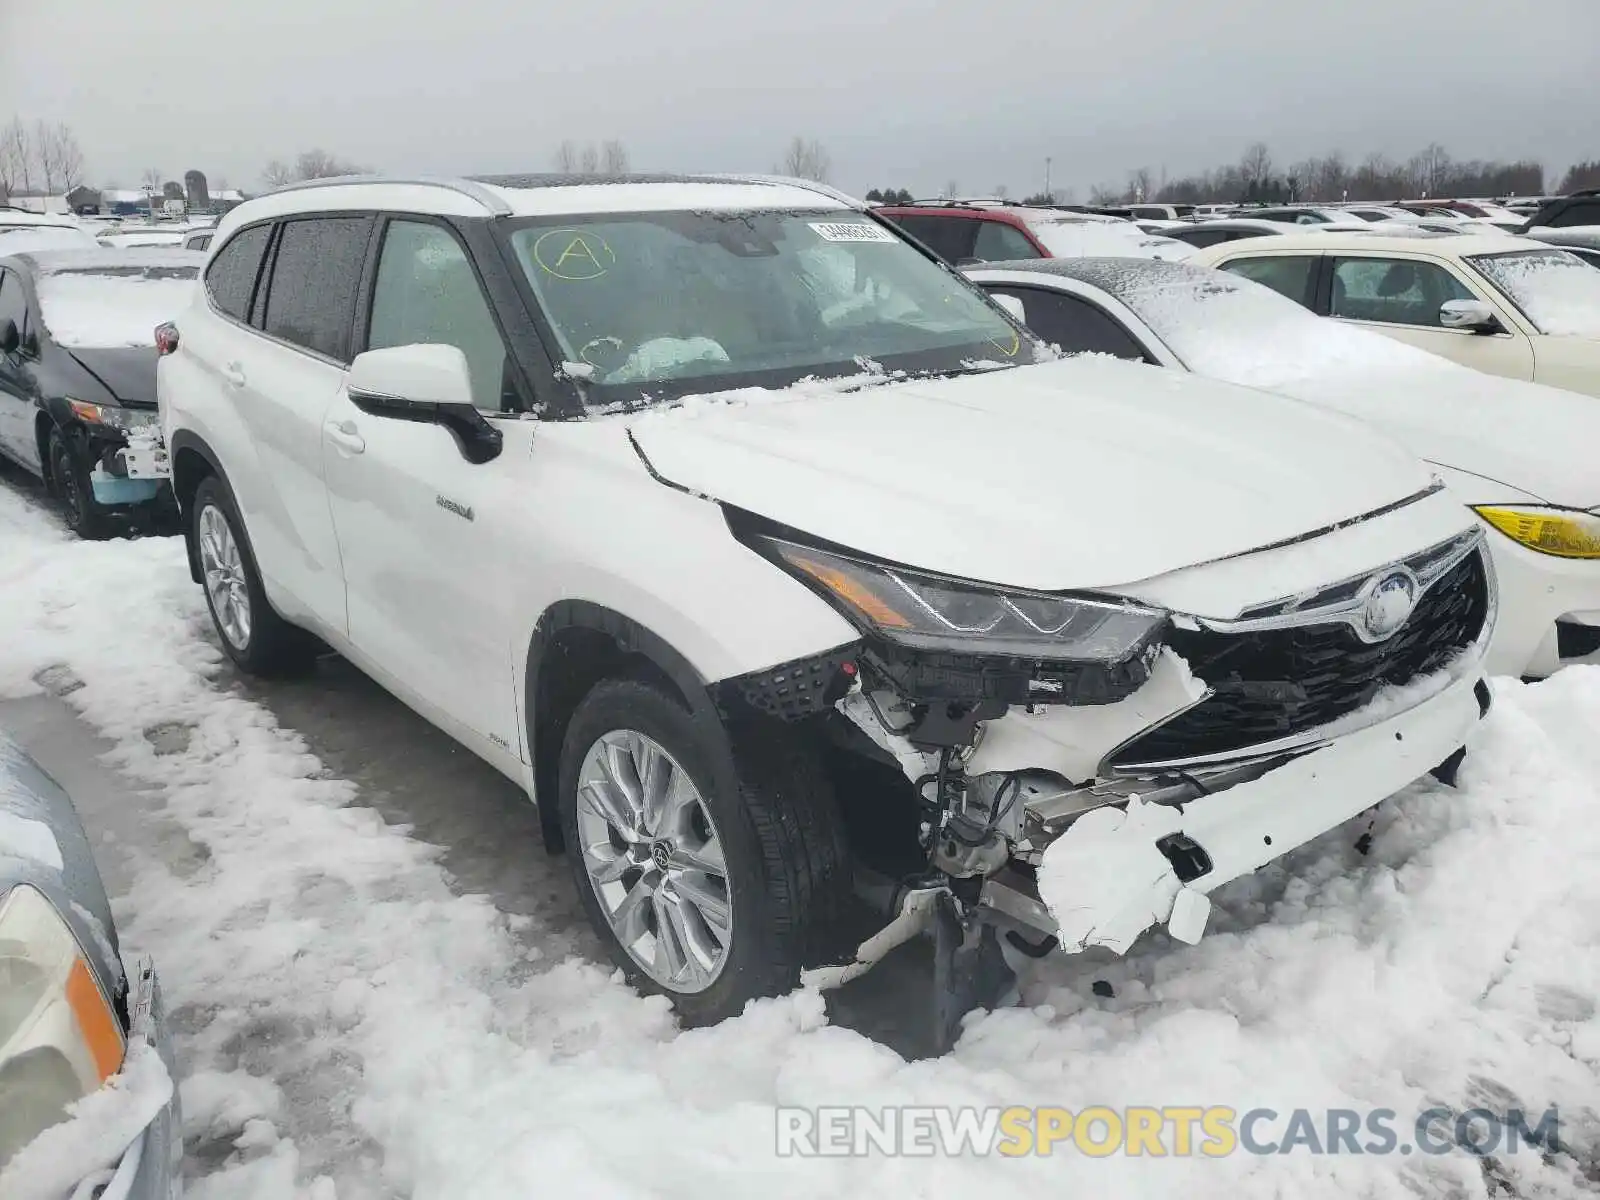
<point x="129" y="420"/>
<point x="1566" y="534"/>
<point x="59" y="1038"/>
<point x="929" y="612"/>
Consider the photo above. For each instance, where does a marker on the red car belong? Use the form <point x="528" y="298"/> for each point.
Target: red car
<point x="966" y="232"/>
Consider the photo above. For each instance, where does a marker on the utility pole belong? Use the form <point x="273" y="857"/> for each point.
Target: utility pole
<point x="1047" y="191"/>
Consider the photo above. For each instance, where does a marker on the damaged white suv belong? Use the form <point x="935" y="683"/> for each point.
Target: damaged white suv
<point x="788" y="573"/>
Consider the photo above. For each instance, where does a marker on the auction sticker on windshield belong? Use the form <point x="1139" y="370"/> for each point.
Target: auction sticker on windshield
<point x="851" y="231"/>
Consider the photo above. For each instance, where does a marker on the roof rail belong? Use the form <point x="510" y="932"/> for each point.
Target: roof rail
<point x="464" y="187"/>
<point x="808" y="185"/>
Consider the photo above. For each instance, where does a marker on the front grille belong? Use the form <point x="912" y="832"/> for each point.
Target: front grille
<point x="1277" y="683"/>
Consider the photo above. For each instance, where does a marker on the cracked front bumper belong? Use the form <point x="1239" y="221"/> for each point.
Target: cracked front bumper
<point x="1104" y="880"/>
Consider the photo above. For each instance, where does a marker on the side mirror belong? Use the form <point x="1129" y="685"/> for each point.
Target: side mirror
<point x="1474" y="316"/>
<point x="426" y="383"/>
<point x="1011" y="304"/>
<point x="10" y="339"/>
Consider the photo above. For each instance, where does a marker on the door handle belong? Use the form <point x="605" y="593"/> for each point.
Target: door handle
<point x="234" y="374"/>
<point x="346" y="437"/>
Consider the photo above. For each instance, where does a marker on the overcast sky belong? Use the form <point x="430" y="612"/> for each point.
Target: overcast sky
<point x="901" y="92"/>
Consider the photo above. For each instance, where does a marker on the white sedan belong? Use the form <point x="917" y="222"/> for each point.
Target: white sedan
<point x="1489" y="301"/>
<point x="1522" y="456"/>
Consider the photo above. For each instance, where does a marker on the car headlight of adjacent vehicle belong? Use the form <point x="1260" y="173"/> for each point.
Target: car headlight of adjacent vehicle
<point x="929" y="612"/>
<point x="60" y="1038"/>
<point x="129" y="420"/>
<point x="1565" y="533"/>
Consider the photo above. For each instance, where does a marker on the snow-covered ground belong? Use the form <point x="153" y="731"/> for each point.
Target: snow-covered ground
<point x="352" y="1023"/>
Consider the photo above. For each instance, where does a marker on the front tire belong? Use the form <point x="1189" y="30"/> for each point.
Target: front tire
<point x="709" y="895"/>
<point x="69" y="480"/>
<point x="258" y="640"/>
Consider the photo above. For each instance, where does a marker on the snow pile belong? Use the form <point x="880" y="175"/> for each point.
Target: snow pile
<point x="371" y="1033"/>
<point x="1559" y="292"/>
<point x="95" y="311"/>
<point x="101" y="1126"/>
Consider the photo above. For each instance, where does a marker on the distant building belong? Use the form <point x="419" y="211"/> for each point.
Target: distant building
<point x="39" y="202"/>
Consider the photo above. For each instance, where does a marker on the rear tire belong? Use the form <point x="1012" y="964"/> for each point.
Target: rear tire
<point x="715" y="896"/>
<point x="69" y="483"/>
<point x="258" y="640"/>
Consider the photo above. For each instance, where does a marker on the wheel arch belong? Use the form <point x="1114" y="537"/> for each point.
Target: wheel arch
<point x="192" y="460"/>
<point x="576" y="644"/>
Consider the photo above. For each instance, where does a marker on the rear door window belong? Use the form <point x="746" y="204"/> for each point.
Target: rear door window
<point x="231" y="277"/>
<point x="1289" y="275"/>
<point x="316" y="272"/>
<point x="951" y="238"/>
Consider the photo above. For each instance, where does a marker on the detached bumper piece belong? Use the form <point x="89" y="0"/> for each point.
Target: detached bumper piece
<point x="129" y="475"/>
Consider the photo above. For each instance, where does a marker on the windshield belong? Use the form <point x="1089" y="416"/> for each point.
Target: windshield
<point x="659" y="304"/>
<point x="113" y="306"/>
<point x="1557" y="291"/>
<point x="1240" y="331"/>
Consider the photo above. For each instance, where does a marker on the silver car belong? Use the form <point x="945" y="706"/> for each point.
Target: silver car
<point x="73" y="1011"/>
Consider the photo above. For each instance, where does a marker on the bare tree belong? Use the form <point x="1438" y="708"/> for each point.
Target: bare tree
<point x="952" y="187"/>
<point x="589" y="159"/>
<point x="68" y="156"/>
<point x="319" y="164"/>
<point x="566" y="158"/>
<point x="1000" y="191"/>
<point x="16" y="158"/>
<point x="807" y="159"/>
<point x="277" y="173"/>
<point x="1256" y="163"/>
<point x="1102" y="194"/>
<point x="150" y="180"/>
<point x="1430" y="169"/>
<point x="614" y="157"/>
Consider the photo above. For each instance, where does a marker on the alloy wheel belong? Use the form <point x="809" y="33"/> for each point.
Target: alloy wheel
<point x="223" y="568"/>
<point x="654" y="859"/>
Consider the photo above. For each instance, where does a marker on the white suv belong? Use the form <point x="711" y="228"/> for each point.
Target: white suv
<point x="787" y="572"/>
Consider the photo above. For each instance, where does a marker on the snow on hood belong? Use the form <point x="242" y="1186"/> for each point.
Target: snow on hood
<point x="1538" y="439"/>
<point x="1078" y="474"/>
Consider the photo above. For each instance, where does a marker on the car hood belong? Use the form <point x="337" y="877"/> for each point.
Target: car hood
<point x="128" y="373"/>
<point x="1087" y="473"/>
<point x="1536" y="439"/>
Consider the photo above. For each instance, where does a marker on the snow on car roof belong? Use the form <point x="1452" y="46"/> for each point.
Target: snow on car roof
<point x="1362" y="239"/>
<point x="539" y="195"/>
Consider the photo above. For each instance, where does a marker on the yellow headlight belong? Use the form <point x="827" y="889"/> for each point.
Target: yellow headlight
<point x="1549" y="531"/>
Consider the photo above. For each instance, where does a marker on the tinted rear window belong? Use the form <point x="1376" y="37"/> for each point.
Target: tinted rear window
<point x="315" y="273"/>
<point x="231" y="278"/>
